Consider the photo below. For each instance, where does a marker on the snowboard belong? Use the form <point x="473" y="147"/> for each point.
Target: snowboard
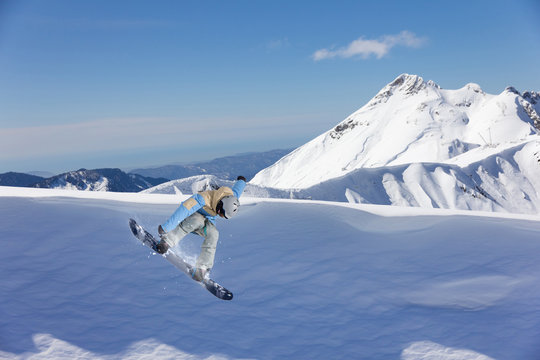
<point x="149" y="240"/>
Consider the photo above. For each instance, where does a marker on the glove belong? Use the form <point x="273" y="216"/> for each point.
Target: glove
<point x="241" y="178"/>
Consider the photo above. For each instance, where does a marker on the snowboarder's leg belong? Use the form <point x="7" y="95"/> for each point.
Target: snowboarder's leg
<point x="193" y="223"/>
<point x="173" y="237"/>
<point x="205" y="261"/>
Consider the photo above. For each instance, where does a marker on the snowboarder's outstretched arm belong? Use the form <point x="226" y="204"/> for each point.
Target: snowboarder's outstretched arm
<point x="239" y="185"/>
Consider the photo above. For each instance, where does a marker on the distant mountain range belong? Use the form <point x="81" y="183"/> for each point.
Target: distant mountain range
<point x="82" y="179"/>
<point x="136" y="180"/>
<point x="19" y="179"/>
<point x="227" y="168"/>
<point x="100" y="180"/>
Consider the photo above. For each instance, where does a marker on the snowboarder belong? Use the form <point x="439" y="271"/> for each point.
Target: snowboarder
<point x="197" y="215"/>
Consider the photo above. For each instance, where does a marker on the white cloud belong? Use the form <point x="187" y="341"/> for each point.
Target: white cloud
<point x="364" y="48"/>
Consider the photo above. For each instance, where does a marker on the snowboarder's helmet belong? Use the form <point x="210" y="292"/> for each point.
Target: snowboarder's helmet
<point x="228" y="206"/>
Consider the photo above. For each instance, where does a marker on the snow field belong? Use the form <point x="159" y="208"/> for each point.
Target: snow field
<point x="312" y="280"/>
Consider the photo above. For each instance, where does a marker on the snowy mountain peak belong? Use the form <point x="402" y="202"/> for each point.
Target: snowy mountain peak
<point x="431" y="83"/>
<point x="512" y="90"/>
<point x="411" y="84"/>
<point x="474" y="87"/>
<point x="405" y="84"/>
<point x="408" y="82"/>
<point x="410" y="121"/>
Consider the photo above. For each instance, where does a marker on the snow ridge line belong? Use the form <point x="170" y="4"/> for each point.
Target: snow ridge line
<point x="165" y="199"/>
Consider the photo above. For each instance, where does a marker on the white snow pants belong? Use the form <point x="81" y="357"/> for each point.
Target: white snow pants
<point x="198" y="224"/>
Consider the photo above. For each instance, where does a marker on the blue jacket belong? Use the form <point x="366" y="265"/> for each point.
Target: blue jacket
<point x="204" y="203"/>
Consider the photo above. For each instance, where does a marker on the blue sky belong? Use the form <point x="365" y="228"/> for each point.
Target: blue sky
<point x="140" y="83"/>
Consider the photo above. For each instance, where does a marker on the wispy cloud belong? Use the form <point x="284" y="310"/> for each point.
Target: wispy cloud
<point x="364" y="48"/>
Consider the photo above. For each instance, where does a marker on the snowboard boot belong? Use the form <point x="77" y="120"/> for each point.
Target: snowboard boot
<point x="162" y="246"/>
<point x="199" y="274"/>
<point x="161" y="231"/>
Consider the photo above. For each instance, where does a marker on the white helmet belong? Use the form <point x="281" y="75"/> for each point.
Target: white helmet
<point x="228" y="206"/>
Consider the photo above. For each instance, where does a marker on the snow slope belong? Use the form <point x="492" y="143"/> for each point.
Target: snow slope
<point x="312" y="280"/>
<point x="508" y="181"/>
<point x="410" y="121"/>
